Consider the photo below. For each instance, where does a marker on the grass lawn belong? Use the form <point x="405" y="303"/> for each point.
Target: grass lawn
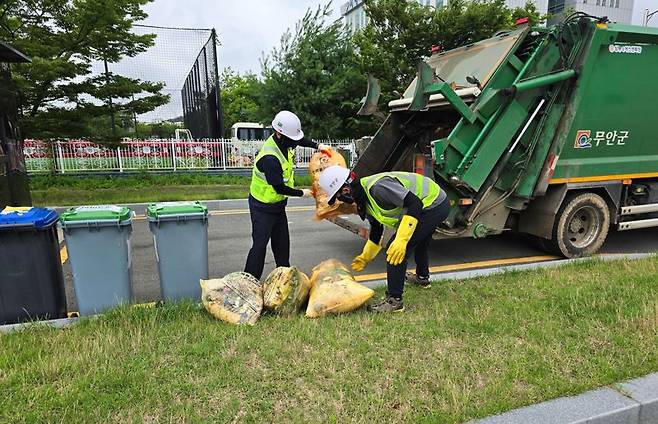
<point x="79" y="190"/>
<point x="463" y="349"/>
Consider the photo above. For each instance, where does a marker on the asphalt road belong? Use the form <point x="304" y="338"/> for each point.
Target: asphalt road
<point x="229" y="239"/>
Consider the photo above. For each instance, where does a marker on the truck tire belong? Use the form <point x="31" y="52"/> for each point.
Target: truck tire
<point x="581" y="225"/>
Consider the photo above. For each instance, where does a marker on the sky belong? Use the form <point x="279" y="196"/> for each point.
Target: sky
<point x="639" y="8"/>
<point x="247" y="28"/>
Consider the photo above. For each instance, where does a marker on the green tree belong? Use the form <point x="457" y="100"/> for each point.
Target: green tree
<point x="61" y="98"/>
<point x="239" y="98"/>
<point x="399" y="33"/>
<point x="315" y="73"/>
<point x="164" y="129"/>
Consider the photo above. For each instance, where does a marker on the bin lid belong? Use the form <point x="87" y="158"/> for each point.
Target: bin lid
<point x="172" y="209"/>
<point x="27" y="217"/>
<point x="96" y="213"/>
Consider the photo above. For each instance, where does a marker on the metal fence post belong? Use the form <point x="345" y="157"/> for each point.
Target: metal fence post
<point x="61" y="157"/>
<point x="173" y="153"/>
<point x="120" y="159"/>
<point x="223" y="150"/>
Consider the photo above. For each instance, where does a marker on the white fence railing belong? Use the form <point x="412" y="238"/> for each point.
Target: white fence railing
<point x="75" y="156"/>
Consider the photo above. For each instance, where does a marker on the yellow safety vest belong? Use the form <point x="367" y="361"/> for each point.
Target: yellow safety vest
<point x="426" y="190"/>
<point x="260" y="189"/>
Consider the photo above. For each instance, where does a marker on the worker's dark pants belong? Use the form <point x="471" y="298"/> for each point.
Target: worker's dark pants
<point x="419" y="245"/>
<point x="266" y="226"/>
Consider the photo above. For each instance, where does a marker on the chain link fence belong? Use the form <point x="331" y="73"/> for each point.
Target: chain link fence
<point x="184" y="60"/>
<point x="201" y="96"/>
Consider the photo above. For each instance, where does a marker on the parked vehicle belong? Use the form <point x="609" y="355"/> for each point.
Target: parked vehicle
<point x="250" y="131"/>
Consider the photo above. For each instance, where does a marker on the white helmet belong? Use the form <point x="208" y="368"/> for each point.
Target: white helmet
<point x="288" y="124"/>
<point x="332" y="179"/>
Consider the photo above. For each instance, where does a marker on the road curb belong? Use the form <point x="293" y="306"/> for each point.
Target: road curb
<point x="55" y="323"/>
<point x="462" y="275"/>
<point x="631" y="402"/>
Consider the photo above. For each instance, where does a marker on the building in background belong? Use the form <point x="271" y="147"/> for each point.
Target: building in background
<point x="620" y="11"/>
<point x="354" y="14"/>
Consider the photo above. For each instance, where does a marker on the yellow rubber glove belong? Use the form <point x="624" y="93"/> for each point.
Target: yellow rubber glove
<point x="398" y="248"/>
<point x="370" y="250"/>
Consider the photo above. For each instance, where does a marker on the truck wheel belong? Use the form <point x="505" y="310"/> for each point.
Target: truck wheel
<point x="581" y="225"/>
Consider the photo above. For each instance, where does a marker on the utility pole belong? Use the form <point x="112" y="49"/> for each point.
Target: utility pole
<point x="109" y="100"/>
<point x="647" y="16"/>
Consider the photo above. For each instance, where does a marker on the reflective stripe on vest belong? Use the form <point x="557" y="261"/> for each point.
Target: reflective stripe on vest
<point x="426" y="190"/>
<point x="260" y="189"/>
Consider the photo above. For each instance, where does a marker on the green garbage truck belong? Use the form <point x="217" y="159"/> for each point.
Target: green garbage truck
<point x="546" y="131"/>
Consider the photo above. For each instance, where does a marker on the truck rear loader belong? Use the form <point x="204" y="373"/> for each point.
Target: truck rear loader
<point x="546" y="131"/>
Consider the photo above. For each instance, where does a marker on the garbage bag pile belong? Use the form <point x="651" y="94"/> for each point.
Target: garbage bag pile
<point x="285" y="290"/>
<point x="334" y="290"/>
<point x="239" y="298"/>
<point x="319" y="162"/>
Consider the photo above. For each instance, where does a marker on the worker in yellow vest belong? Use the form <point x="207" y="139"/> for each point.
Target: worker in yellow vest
<point x="411" y="203"/>
<point x="272" y="182"/>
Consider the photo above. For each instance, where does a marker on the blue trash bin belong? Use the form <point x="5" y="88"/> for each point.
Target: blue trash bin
<point x="31" y="278"/>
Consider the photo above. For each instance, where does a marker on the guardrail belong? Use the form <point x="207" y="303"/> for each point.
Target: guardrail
<point x="77" y="156"/>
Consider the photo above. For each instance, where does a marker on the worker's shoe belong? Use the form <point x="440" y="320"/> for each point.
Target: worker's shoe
<point x="422" y="282"/>
<point x="389" y="304"/>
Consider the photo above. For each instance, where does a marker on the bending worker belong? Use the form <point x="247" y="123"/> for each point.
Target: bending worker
<point x="411" y="203"/>
<point x="272" y="182"/>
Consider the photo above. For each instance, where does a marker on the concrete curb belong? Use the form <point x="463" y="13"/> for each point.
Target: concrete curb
<point x="632" y="402"/>
<point x="462" y="275"/>
<point x="55" y="323"/>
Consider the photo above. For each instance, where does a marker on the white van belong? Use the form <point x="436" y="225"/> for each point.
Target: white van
<point x="250" y="131"/>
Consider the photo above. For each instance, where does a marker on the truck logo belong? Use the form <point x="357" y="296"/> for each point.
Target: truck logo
<point x="583" y="139"/>
<point x="616" y="48"/>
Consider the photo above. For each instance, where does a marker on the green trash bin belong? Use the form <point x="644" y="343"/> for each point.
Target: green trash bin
<point x="98" y="243"/>
<point x="180" y="239"/>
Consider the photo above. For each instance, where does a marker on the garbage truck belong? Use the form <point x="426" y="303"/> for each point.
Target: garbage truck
<point x="550" y="132"/>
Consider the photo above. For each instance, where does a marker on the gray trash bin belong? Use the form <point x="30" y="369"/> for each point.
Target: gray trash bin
<point x="98" y="244"/>
<point x="180" y="238"/>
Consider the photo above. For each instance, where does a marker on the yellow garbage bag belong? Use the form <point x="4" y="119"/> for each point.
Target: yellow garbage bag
<point x="334" y="290"/>
<point x="285" y="290"/>
<point x="319" y="162"/>
<point x="236" y="298"/>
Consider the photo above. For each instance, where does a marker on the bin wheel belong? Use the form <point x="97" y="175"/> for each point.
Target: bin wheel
<point x="581" y="226"/>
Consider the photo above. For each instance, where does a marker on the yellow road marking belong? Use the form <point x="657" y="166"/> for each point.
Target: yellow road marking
<point x="242" y="212"/>
<point x="63" y="254"/>
<point x="145" y="305"/>
<point x="76" y="314"/>
<point x="469" y="265"/>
